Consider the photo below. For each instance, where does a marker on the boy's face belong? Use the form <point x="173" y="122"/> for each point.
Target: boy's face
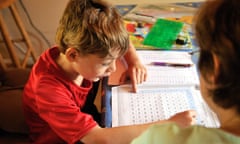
<point x="93" y="68"/>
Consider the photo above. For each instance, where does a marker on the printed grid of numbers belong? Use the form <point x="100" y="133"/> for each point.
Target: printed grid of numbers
<point x="145" y="107"/>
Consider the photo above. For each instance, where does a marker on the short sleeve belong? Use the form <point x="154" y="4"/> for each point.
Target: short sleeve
<point x="60" y="106"/>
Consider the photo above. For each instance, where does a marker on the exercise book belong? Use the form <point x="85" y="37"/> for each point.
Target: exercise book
<point x="169" y="89"/>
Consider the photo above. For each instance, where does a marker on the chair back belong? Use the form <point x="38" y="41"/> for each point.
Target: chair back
<point x="5" y="3"/>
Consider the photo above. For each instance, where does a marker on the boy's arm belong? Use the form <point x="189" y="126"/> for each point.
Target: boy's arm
<point x="136" y="70"/>
<point x="125" y="134"/>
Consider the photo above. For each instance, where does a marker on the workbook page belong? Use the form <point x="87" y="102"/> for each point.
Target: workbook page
<point x="170" y="76"/>
<point x="157" y="103"/>
<point x="158" y="73"/>
<point x="179" y="57"/>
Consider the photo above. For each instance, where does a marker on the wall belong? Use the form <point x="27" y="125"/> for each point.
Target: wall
<point x="44" y="15"/>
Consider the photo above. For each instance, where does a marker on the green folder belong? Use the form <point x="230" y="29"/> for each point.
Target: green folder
<point x="163" y="34"/>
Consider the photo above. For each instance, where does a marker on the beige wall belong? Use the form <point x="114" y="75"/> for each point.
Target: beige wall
<point x="46" y="13"/>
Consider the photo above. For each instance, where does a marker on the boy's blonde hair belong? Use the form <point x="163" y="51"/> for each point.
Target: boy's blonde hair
<point x="92" y="27"/>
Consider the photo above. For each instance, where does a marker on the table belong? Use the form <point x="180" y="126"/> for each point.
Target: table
<point x="106" y="99"/>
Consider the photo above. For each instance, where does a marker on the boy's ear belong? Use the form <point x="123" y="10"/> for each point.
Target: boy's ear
<point x="71" y="54"/>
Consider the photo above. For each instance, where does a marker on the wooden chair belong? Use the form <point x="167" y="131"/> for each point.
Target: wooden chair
<point x="10" y="4"/>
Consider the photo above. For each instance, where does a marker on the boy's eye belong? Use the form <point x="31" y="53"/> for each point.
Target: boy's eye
<point x="106" y="64"/>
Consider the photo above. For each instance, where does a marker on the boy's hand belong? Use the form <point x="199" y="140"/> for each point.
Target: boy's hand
<point x="137" y="74"/>
<point x="185" y="118"/>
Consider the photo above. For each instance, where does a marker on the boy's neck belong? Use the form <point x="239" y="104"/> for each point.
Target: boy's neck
<point x="78" y="81"/>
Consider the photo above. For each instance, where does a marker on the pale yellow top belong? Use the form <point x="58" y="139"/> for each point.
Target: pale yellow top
<point x="173" y="134"/>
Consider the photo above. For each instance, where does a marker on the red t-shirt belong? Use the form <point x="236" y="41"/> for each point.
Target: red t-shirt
<point x="52" y="103"/>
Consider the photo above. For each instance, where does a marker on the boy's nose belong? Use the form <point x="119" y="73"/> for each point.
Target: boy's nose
<point x="112" y="68"/>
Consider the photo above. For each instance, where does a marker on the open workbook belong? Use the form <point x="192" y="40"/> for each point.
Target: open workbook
<point x="168" y="90"/>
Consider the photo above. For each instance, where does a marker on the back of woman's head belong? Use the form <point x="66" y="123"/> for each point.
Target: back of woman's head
<point x="217" y="28"/>
<point x="92" y="27"/>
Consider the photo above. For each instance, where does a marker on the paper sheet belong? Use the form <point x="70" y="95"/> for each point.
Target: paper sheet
<point x="149" y="56"/>
<point x="157" y="103"/>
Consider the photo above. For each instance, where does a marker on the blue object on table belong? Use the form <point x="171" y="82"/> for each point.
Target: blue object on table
<point x="106" y="104"/>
